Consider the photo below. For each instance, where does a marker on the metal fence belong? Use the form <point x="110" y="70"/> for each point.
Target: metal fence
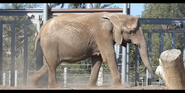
<point x="79" y="77"/>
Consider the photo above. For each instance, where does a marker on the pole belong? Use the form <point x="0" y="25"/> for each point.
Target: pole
<point x="125" y="52"/>
<point x="45" y="12"/>
<point x="65" y="77"/>
<point x="16" y="78"/>
<point x="1" y="51"/>
<point x="4" y="78"/>
<point x="137" y="67"/>
<point x="44" y="79"/>
<point x="148" y="75"/>
<point x="12" y="54"/>
<point x="128" y="51"/>
<point x="25" y="54"/>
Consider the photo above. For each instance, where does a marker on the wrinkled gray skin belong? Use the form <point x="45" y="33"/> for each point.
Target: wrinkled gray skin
<point x="74" y="37"/>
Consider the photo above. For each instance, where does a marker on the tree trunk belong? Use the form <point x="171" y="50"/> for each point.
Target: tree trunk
<point x="173" y="68"/>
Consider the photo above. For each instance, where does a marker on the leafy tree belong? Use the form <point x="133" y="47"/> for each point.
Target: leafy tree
<point x="19" y="39"/>
<point x="170" y="10"/>
<point x="100" y="6"/>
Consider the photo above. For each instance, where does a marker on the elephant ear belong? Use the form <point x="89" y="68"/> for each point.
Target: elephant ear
<point x="130" y="23"/>
<point x="117" y="27"/>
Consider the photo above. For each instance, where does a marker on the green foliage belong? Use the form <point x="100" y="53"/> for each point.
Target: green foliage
<point x="170" y="10"/>
<point x="101" y="6"/>
<point x="19" y="38"/>
<point x="83" y="5"/>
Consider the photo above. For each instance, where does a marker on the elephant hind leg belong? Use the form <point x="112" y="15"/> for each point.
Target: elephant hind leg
<point x="96" y="64"/>
<point x="52" y="63"/>
<point x="33" y="79"/>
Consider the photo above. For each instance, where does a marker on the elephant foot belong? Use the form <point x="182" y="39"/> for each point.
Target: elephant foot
<point x="120" y="86"/>
<point x="54" y="86"/>
<point x="32" y="81"/>
<point x="35" y="87"/>
<point x="91" y="86"/>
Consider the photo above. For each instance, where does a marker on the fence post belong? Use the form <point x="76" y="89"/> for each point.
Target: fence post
<point x="16" y="78"/>
<point x="9" y="79"/>
<point x="65" y="77"/>
<point x="160" y="51"/>
<point x="184" y="43"/>
<point x="184" y="49"/>
<point x="4" y="78"/>
<point x="124" y="53"/>
<point x="12" y="53"/>
<point x="173" y="40"/>
<point x="128" y="52"/>
<point x="25" y="54"/>
<point x="1" y="51"/>
<point x="148" y="75"/>
<point x="137" y="67"/>
<point x="100" y="77"/>
<point x="39" y="58"/>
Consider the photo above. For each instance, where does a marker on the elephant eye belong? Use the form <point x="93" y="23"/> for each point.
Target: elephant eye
<point x="131" y="32"/>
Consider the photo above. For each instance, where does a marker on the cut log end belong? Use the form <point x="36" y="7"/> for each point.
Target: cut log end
<point x="173" y="69"/>
<point x="170" y="55"/>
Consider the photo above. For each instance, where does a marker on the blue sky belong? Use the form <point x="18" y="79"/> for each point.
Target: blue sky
<point x="136" y="8"/>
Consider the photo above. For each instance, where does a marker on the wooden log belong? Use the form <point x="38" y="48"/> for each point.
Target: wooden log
<point x="159" y="72"/>
<point x="174" y="73"/>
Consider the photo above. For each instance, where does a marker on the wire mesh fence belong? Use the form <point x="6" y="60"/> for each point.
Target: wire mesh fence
<point x="78" y="76"/>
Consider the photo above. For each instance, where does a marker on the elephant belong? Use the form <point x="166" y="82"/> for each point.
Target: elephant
<point x="74" y="37"/>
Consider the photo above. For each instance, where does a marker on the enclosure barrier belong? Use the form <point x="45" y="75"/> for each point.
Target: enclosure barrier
<point x="36" y="15"/>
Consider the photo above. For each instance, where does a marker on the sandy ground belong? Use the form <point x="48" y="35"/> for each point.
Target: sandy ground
<point x="151" y="87"/>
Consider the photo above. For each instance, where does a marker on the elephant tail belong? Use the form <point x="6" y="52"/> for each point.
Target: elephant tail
<point x="37" y="39"/>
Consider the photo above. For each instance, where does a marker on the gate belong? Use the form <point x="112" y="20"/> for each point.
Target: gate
<point x="38" y="13"/>
<point x="12" y="25"/>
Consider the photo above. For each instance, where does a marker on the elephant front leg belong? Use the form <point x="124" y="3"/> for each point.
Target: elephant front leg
<point x="96" y="64"/>
<point x="111" y="61"/>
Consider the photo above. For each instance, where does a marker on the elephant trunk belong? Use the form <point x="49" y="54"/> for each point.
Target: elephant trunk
<point x="144" y="55"/>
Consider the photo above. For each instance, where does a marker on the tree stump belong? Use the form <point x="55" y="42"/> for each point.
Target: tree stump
<point x="173" y="68"/>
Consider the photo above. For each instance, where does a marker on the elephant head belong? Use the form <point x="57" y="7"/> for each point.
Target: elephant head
<point x="127" y="29"/>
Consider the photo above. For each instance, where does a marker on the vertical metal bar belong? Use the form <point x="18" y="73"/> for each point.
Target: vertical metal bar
<point x="128" y="63"/>
<point x="4" y="78"/>
<point x="148" y="75"/>
<point x="25" y="53"/>
<point x="128" y="51"/>
<point x="12" y="54"/>
<point x="184" y="43"/>
<point x="45" y="12"/>
<point x="184" y="48"/>
<point x="65" y="77"/>
<point x="160" y="51"/>
<point x="116" y="48"/>
<point x="173" y="40"/>
<point x="15" y="78"/>
<point x="123" y="65"/>
<point x="39" y="53"/>
<point x="119" y="57"/>
<point x="9" y="78"/>
<point x="124" y="55"/>
<point x="1" y="51"/>
<point x="161" y="43"/>
<point x="137" y="67"/>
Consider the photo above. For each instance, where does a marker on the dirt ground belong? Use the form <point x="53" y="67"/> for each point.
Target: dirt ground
<point x="151" y="87"/>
